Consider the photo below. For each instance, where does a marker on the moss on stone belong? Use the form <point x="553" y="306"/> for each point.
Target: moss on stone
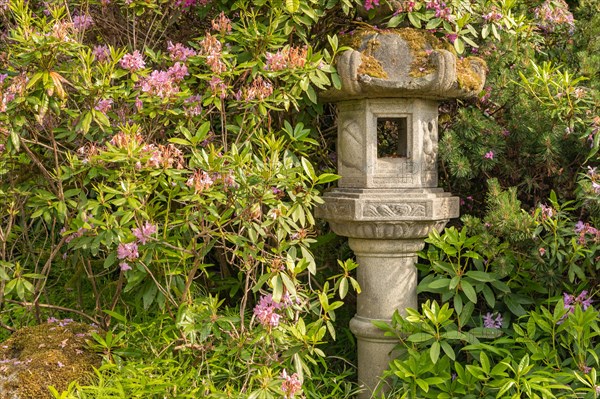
<point x="34" y="358"/>
<point x="370" y="66"/>
<point x="468" y="77"/>
<point x="421" y="44"/>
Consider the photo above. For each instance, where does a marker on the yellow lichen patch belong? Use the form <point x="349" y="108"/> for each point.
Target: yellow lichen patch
<point x="468" y="77"/>
<point x="36" y="357"/>
<point x="370" y="66"/>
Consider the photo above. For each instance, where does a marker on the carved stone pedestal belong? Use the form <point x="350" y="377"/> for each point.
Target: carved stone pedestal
<point x="386" y="229"/>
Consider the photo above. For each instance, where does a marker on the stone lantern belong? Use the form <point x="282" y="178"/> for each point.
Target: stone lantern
<point x="387" y="200"/>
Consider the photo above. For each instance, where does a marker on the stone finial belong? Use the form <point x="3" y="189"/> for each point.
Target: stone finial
<point x="405" y="63"/>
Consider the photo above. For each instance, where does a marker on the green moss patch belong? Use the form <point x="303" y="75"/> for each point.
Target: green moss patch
<point x="34" y="358"/>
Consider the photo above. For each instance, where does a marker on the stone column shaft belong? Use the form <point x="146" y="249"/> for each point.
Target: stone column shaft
<point x="388" y="279"/>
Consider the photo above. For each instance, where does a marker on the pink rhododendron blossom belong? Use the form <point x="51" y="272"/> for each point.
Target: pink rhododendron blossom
<point x="193" y="105"/>
<point x="292" y="57"/>
<point x="132" y="62"/>
<point x="160" y="84"/>
<point x="179" y="52"/>
<point x="82" y="22"/>
<point x="200" y="181"/>
<point x="178" y="72"/>
<point x="104" y="105"/>
<point x="552" y="14"/>
<point x="128" y="251"/>
<point x="124" y="266"/>
<point x="211" y="48"/>
<point x="221" y="24"/>
<point x="489" y="155"/>
<point x="143" y="233"/>
<point x="101" y="53"/>
<point x="369" y="4"/>
<point x="191" y="3"/>
<point x="291" y="384"/>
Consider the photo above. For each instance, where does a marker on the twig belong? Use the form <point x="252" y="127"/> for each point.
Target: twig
<point x="56" y="307"/>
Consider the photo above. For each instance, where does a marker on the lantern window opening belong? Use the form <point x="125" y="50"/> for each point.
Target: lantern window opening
<point x="392" y="137"/>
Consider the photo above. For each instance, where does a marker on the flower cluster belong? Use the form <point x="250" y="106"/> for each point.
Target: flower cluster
<point x="200" y="181"/>
<point x="489" y="321"/>
<point x="584" y="228"/>
<point x="133" y="62"/>
<point x="489" y="155"/>
<point x="101" y="53"/>
<point x="552" y="14"/>
<point x="570" y="301"/>
<point x="286" y="58"/>
<point x="369" y="4"/>
<point x="407" y="6"/>
<point x="221" y="24"/>
<point x="124" y="140"/>
<point x="442" y="11"/>
<point x="259" y="89"/>
<point x="179" y="52"/>
<point x="104" y="105"/>
<point x="291" y="384"/>
<point x="267" y="310"/>
<point x="191" y="3"/>
<point x="164" y="83"/>
<point x="493" y="15"/>
<point x="127" y="252"/>
<point x="163" y="156"/>
<point x="143" y="233"/>
<point x="193" y="105"/>
<point x="82" y="22"/>
<point x="211" y="48"/>
<point x="16" y="88"/>
<point x="547" y="211"/>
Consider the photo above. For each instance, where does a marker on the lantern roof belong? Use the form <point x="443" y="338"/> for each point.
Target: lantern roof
<point x="404" y="62"/>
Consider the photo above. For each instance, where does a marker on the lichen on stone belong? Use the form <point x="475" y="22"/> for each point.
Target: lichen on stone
<point x="467" y="75"/>
<point x="53" y="354"/>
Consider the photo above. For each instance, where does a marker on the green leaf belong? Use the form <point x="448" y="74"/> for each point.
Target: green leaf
<point x="115" y="315"/>
<point x="308" y="168"/>
<point x="292" y="6"/>
<point x="448" y="350"/>
<point x="327" y="177"/>
<point x="414" y="20"/>
<point x="459" y="45"/>
<point x="480" y="276"/>
<point x="434" y="352"/>
<point x="469" y="291"/>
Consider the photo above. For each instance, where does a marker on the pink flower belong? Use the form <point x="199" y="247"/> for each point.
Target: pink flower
<point x="104" y="105"/>
<point x="266" y="310"/>
<point x="101" y="53"/>
<point x="542" y="251"/>
<point x="82" y="22"/>
<point x="179" y="52"/>
<point x="178" y="71"/>
<point x="489" y="155"/>
<point x="369" y="4"/>
<point x="200" y="180"/>
<point x="128" y="251"/>
<point x="143" y="233"/>
<point x="291" y="384"/>
<point x="132" y="62"/>
<point x="223" y="24"/>
<point x="124" y="266"/>
<point x="160" y="84"/>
